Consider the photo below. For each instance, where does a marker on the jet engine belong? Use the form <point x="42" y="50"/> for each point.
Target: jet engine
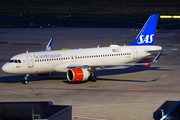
<point x="78" y="74"/>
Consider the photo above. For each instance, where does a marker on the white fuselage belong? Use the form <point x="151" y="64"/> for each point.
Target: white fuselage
<point x="58" y="61"/>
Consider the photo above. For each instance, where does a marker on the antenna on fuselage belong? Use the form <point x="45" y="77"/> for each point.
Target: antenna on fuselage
<point x="27" y="51"/>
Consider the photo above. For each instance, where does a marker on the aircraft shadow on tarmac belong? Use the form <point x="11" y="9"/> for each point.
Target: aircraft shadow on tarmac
<point x="20" y="78"/>
<point x="131" y="69"/>
<point x="127" y="70"/>
<point x="104" y="72"/>
<point x="62" y="76"/>
<point x="128" y="80"/>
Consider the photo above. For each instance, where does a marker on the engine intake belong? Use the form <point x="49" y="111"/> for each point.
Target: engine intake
<point x="78" y="74"/>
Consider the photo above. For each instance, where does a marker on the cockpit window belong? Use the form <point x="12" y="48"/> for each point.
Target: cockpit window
<point x="14" y="61"/>
<point x="11" y="61"/>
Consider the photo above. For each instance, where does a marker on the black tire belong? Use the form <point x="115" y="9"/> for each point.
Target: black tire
<point x="93" y="78"/>
<point x="25" y="82"/>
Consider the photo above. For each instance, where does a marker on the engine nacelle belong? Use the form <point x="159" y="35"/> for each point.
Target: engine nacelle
<point x="78" y="74"/>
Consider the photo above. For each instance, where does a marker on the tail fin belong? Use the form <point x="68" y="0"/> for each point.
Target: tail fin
<point x="147" y="33"/>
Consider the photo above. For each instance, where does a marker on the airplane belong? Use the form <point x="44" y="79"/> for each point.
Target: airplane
<point x="80" y="64"/>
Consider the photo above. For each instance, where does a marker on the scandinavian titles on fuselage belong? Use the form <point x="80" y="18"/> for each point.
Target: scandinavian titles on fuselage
<point x="45" y="56"/>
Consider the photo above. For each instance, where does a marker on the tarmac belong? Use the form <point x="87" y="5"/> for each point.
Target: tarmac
<point x="119" y="94"/>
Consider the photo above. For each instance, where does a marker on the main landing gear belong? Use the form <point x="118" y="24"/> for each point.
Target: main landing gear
<point x="93" y="78"/>
<point x="25" y="79"/>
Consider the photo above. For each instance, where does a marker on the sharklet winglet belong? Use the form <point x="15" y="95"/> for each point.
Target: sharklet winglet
<point x="157" y="57"/>
<point x="48" y="47"/>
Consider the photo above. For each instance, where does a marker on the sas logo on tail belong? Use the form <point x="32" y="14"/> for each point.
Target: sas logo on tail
<point x="147" y="39"/>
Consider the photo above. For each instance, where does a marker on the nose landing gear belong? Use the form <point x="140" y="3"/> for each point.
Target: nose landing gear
<point x="25" y="79"/>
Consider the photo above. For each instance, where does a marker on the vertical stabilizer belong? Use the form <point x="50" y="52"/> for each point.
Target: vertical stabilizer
<point x="147" y="33"/>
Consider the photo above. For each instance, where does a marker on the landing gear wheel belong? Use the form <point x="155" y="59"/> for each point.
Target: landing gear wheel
<point x="25" y="79"/>
<point x="93" y="78"/>
<point x="25" y="82"/>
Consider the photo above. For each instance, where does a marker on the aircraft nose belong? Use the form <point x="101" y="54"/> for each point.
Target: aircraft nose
<point x="5" y="68"/>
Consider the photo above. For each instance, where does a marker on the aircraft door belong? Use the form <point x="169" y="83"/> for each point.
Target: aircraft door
<point x="30" y="61"/>
<point x="135" y="53"/>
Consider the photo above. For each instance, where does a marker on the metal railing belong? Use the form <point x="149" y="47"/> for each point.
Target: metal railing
<point x="19" y="114"/>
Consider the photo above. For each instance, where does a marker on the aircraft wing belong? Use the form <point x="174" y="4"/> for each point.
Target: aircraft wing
<point x="151" y="51"/>
<point x="159" y="54"/>
<point x="100" y="66"/>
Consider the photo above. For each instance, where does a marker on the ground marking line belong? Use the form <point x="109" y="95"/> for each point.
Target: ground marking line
<point x="88" y="118"/>
<point x="118" y="104"/>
